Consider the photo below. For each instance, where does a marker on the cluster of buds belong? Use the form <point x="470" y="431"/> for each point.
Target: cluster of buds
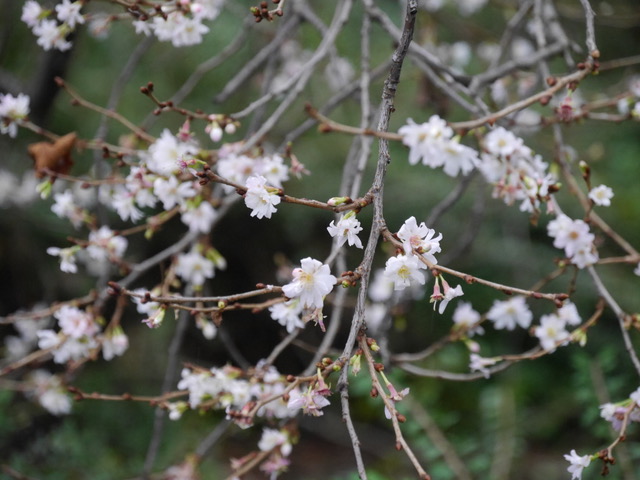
<point x="262" y="12"/>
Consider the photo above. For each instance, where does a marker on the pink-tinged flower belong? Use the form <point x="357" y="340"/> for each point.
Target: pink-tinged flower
<point x="420" y="238"/>
<point x="76" y="323"/>
<point x="394" y="395"/>
<point x="104" y="245"/>
<point x="310" y="402"/>
<point x="577" y="464"/>
<point x="449" y="294"/>
<point x="311" y="282"/>
<point x="601" y="195"/>
<point x="509" y="313"/>
<point x="404" y="271"/>
<point x="155" y="318"/>
<point x="346" y="230"/>
<point x="260" y="199"/>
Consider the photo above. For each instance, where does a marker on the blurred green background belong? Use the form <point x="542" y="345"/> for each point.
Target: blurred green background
<point x="516" y="425"/>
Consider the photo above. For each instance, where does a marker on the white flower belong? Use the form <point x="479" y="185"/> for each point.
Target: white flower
<point x="145" y="308"/>
<point x="65" y="207"/>
<point x="509" y="313"/>
<point x="31" y="13"/>
<point x="420" y="238"/>
<point x="449" y="294"/>
<point x="480" y="364"/>
<point x="123" y="202"/>
<point x="104" y="245"/>
<point x="601" y="195"/>
<point x="501" y="142"/>
<point x="551" y="332"/>
<point x="260" y="199"/>
<point x="115" y="343"/>
<point x="165" y="154"/>
<point x="458" y="158"/>
<point x="272" y="438"/>
<point x="67" y="258"/>
<point x="194" y="268"/>
<point x="199" y="219"/>
<point x="381" y="287"/>
<point x="569" y="314"/>
<point x="236" y="169"/>
<point x="172" y="193"/>
<point x="12" y="111"/>
<point x="346" y="230"/>
<point x="311" y="282"/>
<point x="273" y="168"/>
<point x="575" y="238"/>
<point x="433" y="143"/>
<point x="50" y="35"/>
<point x="466" y="317"/>
<point x="287" y="314"/>
<point x="69" y="13"/>
<point x="404" y="270"/>
<point x="76" y="323"/>
<point x="179" y="30"/>
<point x="50" y="392"/>
<point x="635" y="397"/>
<point x="577" y="464"/>
<point x="636" y="270"/>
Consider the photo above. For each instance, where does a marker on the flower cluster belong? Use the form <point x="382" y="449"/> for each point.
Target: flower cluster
<point x="225" y="389"/>
<point x="417" y="240"/>
<point x="615" y="413"/>
<point x="433" y="143"/>
<point x="515" y="171"/>
<point x="180" y="24"/>
<point x="79" y="337"/>
<point x="52" y="33"/>
<point x="575" y="238"/>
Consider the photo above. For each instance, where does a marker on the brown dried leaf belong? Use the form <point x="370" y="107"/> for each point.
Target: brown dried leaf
<point x="53" y="157"/>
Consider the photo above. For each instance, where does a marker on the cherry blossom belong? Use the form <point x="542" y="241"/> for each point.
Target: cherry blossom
<point x="551" y="332"/>
<point x="509" y="313"/>
<point x="419" y="238"/>
<point x="260" y="199"/>
<point x="601" y="195"/>
<point x="311" y="282"/>
<point x="194" y="268"/>
<point x="346" y="230"/>
<point x="403" y="271"/>
<point x="577" y="464"/>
